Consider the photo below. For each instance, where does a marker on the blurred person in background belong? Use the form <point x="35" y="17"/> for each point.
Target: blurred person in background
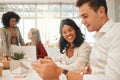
<point x="11" y="34"/>
<point x="11" y="31"/>
<point x="34" y="36"/>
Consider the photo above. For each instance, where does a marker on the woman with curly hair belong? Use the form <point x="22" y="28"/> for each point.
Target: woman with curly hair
<point x="12" y="32"/>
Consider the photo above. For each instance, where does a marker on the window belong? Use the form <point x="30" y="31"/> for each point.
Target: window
<point x="46" y="17"/>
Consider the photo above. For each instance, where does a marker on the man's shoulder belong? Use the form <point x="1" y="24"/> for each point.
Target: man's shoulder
<point x="116" y="26"/>
<point x="114" y="31"/>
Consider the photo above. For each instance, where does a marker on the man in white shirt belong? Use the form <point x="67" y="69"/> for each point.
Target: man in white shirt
<point x="105" y="55"/>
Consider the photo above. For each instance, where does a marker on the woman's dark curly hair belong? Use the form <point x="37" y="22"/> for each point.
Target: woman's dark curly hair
<point x="79" y="36"/>
<point x="7" y="16"/>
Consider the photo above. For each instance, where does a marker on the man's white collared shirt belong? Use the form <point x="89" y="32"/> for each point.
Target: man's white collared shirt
<point x="105" y="55"/>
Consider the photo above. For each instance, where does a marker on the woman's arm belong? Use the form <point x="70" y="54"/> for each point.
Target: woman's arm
<point x="41" y="52"/>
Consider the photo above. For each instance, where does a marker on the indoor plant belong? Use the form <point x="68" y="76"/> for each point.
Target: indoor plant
<point x="18" y="56"/>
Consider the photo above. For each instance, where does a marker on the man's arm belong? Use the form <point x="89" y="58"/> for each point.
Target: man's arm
<point x="48" y="70"/>
<point x="74" y="76"/>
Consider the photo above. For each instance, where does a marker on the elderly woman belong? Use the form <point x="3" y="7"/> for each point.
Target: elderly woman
<point x="34" y="36"/>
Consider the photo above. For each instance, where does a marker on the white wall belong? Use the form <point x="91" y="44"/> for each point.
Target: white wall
<point x="117" y="9"/>
<point x="111" y="9"/>
<point x="37" y="1"/>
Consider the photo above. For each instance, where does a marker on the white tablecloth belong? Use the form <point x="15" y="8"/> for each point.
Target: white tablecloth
<point x="31" y="75"/>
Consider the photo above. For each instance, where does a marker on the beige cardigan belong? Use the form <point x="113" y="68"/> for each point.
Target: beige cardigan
<point x="7" y="38"/>
<point x="79" y="59"/>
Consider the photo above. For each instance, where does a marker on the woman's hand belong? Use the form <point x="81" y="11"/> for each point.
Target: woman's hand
<point x="47" y="57"/>
<point x="5" y="62"/>
<point x="85" y="70"/>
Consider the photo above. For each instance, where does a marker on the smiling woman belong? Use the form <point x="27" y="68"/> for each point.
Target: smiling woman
<point x="74" y="50"/>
